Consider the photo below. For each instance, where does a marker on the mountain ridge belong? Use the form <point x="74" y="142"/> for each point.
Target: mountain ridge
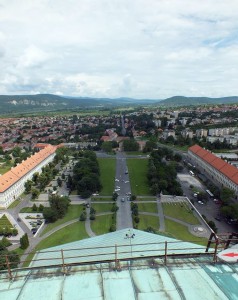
<point x="51" y="102"/>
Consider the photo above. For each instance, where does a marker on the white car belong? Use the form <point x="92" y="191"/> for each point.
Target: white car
<point x="200" y="202"/>
<point x="116" y="179"/>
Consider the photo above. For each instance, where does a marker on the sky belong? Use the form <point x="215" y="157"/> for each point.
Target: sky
<point x="144" y="49"/>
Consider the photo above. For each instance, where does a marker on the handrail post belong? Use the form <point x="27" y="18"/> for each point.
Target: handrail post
<point x="117" y="263"/>
<point x="8" y="268"/>
<point x="63" y="264"/>
<point x="215" y="252"/>
<point x="165" y="252"/>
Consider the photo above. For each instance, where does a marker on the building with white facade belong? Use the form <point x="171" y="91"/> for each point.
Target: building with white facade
<point x="12" y="183"/>
<point x="214" y="167"/>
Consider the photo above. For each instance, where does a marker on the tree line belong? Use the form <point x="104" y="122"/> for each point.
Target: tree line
<point x="162" y="172"/>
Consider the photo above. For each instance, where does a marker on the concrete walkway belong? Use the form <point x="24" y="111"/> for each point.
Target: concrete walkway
<point x="88" y="225"/>
<point x="161" y="216"/>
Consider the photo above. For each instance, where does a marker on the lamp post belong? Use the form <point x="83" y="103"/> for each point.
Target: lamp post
<point x="130" y="235"/>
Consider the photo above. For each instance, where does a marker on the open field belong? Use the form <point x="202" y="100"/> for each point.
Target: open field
<point x="148" y="221"/>
<point x="4" y="169"/>
<point x="68" y="234"/>
<point x="148" y="207"/>
<point x="15" y="203"/>
<point x="103" y="207"/>
<point x="181" y="212"/>
<point x="101" y="224"/>
<point x="74" y="212"/>
<point x="138" y="176"/>
<point x="102" y="199"/>
<point x="107" y="175"/>
<point x="181" y="232"/>
<point x="4" y="222"/>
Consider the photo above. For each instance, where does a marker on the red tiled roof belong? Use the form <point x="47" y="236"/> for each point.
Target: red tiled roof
<point x="223" y="167"/>
<point x="12" y="176"/>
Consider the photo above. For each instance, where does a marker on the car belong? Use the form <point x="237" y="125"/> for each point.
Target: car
<point x="218" y="218"/>
<point x="122" y="199"/>
<point x="34" y="230"/>
<point x="200" y="202"/>
<point x="116" y="179"/>
<point x="195" y="195"/>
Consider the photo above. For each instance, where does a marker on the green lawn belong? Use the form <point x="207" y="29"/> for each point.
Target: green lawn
<point x="138" y="176"/>
<point x="181" y="212"/>
<point x="4" y="169"/>
<point x="134" y="153"/>
<point x="4" y="222"/>
<point x="68" y="234"/>
<point x="107" y="175"/>
<point x="27" y="210"/>
<point x="102" y="199"/>
<point x="74" y="212"/>
<point x="148" y="207"/>
<point x="102" y="207"/>
<point x="148" y="221"/>
<point x="181" y="232"/>
<point x="101" y="224"/>
<point x="15" y="203"/>
<point x="146" y="199"/>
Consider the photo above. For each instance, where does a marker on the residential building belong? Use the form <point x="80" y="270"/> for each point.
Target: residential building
<point x="201" y="132"/>
<point x="12" y="182"/>
<point x="214" y="167"/>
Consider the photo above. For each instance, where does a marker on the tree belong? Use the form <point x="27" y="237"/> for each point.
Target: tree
<point x="130" y="145"/>
<point x="227" y="195"/>
<point x="28" y="186"/>
<point x="59" y="182"/>
<point x="34" y="207"/>
<point x="35" y="193"/>
<point x="24" y="241"/>
<point x="107" y="146"/>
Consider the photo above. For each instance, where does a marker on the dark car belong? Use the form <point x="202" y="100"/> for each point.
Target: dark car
<point x="218" y="218"/>
<point x="34" y="230"/>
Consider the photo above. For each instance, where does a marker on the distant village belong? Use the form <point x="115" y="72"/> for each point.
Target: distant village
<point x="184" y="126"/>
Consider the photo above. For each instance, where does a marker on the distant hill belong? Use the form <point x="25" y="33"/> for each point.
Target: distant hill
<point x="48" y="102"/>
<point x="183" y="101"/>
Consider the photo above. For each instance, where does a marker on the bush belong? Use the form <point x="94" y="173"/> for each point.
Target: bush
<point x="92" y="217"/>
<point x="83" y="216"/>
<point x="113" y="228"/>
<point x="41" y="207"/>
<point x="136" y="219"/>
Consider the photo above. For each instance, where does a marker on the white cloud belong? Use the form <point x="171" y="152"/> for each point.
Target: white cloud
<point x="114" y="48"/>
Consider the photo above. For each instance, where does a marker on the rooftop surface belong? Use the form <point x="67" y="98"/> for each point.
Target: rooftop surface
<point x="194" y="276"/>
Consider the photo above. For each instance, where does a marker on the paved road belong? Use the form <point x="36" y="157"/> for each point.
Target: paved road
<point x="124" y="219"/>
<point x="209" y="209"/>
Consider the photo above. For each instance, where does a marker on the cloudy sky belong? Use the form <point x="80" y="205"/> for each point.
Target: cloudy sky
<point x="119" y="48"/>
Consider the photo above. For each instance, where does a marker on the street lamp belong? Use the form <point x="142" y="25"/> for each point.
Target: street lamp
<point x="130" y="235"/>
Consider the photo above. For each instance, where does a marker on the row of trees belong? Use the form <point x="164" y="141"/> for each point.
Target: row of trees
<point x="86" y="175"/>
<point x="12" y="257"/>
<point x="58" y="208"/>
<point x="162" y="174"/>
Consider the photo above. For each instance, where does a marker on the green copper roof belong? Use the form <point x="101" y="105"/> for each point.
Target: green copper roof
<point x="194" y="277"/>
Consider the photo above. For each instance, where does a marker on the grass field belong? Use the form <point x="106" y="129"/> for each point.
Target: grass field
<point x="102" y="199"/>
<point x="4" y="169"/>
<point x="15" y="203"/>
<point x="148" y="207"/>
<point x="181" y="232"/>
<point x="4" y="222"/>
<point x="134" y="153"/>
<point x="68" y="234"/>
<point x="148" y="221"/>
<point x="103" y="207"/>
<point x="138" y="176"/>
<point x="101" y="224"/>
<point x="107" y="177"/>
<point x="74" y="212"/>
<point x="181" y="212"/>
<point x="146" y="198"/>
